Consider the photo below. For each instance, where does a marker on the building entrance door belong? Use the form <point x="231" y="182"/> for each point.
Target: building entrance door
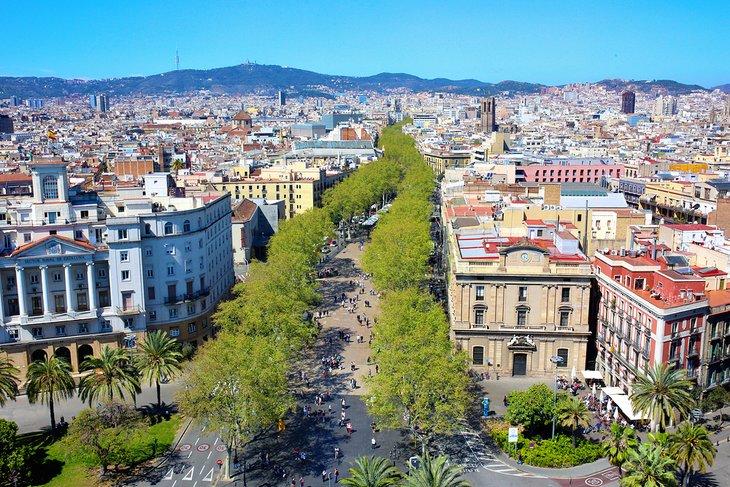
<point x="519" y="364"/>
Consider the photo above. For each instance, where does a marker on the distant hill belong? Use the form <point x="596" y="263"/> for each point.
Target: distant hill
<point x="650" y="86"/>
<point x="724" y="88"/>
<point x="250" y="78"/>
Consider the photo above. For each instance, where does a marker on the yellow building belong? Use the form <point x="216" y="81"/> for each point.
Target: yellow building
<point x="442" y="160"/>
<point x="678" y="201"/>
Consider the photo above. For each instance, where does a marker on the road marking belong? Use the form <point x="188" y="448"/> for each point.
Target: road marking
<point x="189" y="475"/>
<point x="169" y="474"/>
<point x="173" y="484"/>
<point x="203" y="447"/>
<point x="196" y="441"/>
<point x="209" y="476"/>
<point x="216" y="441"/>
<point x="209" y="454"/>
<point x="508" y="469"/>
<point x="196" y="483"/>
<point x="190" y="454"/>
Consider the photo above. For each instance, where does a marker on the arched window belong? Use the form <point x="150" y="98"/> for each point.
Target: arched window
<point x="477" y="355"/>
<point x="168" y="228"/>
<point x="186" y="226"/>
<point x="147" y="229"/>
<point x="50" y="188"/>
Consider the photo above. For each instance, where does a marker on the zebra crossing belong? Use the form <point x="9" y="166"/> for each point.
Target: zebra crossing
<point x="474" y="455"/>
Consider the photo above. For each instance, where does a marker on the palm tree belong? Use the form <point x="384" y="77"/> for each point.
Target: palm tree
<point x="435" y="472"/>
<point x="159" y="356"/>
<point x="648" y="467"/>
<point x="620" y="440"/>
<point x="573" y="413"/>
<point x="664" y="394"/>
<point x="112" y="374"/>
<point x="372" y="472"/>
<point x="176" y="165"/>
<point x="49" y="380"/>
<point x="691" y="447"/>
<point x="8" y="380"/>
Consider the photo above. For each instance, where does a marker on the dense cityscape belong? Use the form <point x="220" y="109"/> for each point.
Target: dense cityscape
<point x="264" y="276"/>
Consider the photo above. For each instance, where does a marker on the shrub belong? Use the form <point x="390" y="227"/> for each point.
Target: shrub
<point x="715" y="399"/>
<point x="532" y="409"/>
<point x="560" y="453"/>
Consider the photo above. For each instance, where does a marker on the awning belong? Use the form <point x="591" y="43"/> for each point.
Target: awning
<point x="592" y="375"/>
<point x="614" y="391"/>
<point x="624" y="403"/>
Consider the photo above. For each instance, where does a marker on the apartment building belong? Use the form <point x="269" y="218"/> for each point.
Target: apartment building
<point x="81" y="270"/>
<point x="652" y="310"/>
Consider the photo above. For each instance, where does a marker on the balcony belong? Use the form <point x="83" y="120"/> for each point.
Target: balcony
<point x="645" y="353"/>
<point x="128" y="310"/>
<point x="693" y="352"/>
<point x="181" y="298"/>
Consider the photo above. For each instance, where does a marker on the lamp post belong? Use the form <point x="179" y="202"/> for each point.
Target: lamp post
<point x="556" y="360"/>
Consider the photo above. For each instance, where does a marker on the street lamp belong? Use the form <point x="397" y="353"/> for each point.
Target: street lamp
<point x="556" y="360"/>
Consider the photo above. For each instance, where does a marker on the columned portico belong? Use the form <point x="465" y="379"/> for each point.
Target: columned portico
<point x="91" y="279"/>
<point x="46" y="292"/>
<point x="70" y="307"/>
<point x="20" y="285"/>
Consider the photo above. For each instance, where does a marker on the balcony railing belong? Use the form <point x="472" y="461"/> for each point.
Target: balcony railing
<point x="181" y="298"/>
<point x="128" y="310"/>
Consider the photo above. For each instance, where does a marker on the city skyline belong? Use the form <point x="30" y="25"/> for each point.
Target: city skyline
<point x="581" y="43"/>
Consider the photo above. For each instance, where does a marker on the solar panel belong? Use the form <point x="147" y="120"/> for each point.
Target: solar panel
<point x="676" y="260"/>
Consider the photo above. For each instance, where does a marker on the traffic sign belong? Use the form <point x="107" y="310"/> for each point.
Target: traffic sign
<point x="512" y="435"/>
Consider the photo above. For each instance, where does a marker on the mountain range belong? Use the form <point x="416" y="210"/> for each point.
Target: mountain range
<point x="262" y="78"/>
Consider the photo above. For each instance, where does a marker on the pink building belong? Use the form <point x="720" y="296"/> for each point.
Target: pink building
<point x="566" y="172"/>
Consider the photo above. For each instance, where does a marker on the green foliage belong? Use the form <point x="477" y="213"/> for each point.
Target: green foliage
<point x="690" y="446"/>
<point x="8" y="380"/>
<point x="435" y="472"/>
<point x="237" y="385"/>
<point x="649" y="467"/>
<point x="572" y="413"/>
<point x="532" y="409"/>
<point x="113" y="374"/>
<point x="15" y="459"/>
<point x="664" y="394"/>
<point x="372" y="472"/>
<point x="49" y="380"/>
<point x="158" y="357"/>
<point x="717" y="398"/>
<point x="617" y="444"/>
<point x="106" y="435"/>
<point x="560" y="452"/>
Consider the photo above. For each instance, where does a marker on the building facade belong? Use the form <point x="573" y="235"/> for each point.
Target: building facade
<point x="515" y="303"/>
<point x="83" y="270"/>
<point x="628" y="102"/>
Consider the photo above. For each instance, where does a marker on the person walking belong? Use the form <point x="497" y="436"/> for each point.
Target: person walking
<point x="337" y="453"/>
<point x="301" y="481"/>
<point x="349" y="428"/>
<point x="373" y="443"/>
<point x="337" y="475"/>
<point x="324" y="475"/>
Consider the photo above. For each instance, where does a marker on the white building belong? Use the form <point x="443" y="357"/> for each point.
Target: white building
<point x="80" y="270"/>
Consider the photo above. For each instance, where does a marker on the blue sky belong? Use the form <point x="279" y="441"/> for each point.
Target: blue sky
<point x="540" y="41"/>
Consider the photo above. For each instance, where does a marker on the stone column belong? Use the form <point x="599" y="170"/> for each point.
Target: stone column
<point x="45" y="292"/>
<point x="70" y="308"/>
<point x="20" y="285"/>
<point x="91" y="278"/>
<point x="2" y="304"/>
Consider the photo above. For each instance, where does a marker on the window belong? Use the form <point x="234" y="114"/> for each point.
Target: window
<point x="186" y="226"/>
<point x="170" y="249"/>
<point x="175" y="332"/>
<point x="152" y="315"/>
<point x="580" y="217"/>
<point x="57" y="277"/>
<point x="148" y="251"/>
<point x="151" y="292"/>
<point x="82" y="302"/>
<point x="150" y="272"/>
<point x="124" y="256"/>
<point x="564" y="318"/>
<point x="50" y="188"/>
<point x="34" y="278"/>
<point x="170" y="269"/>
<point x="477" y="355"/>
<point x="78" y="234"/>
<point x="563" y="354"/>
<point x="172" y="312"/>
<point x="192" y="327"/>
<point x="188" y="266"/>
<point x="37" y="332"/>
<point x="84" y="214"/>
<point x="522" y="293"/>
<point x="169" y="228"/>
<point x="83" y="328"/>
<point x="188" y="247"/>
<point x="521" y="317"/>
<point x="80" y="275"/>
<point x="147" y="229"/>
<point x="129" y="323"/>
<point x="480" y="293"/>
<point x="106" y="325"/>
<point x="59" y="302"/>
<point x="191" y="308"/>
<point x="565" y="295"/>
<point x="125" y="276"/>
<point x="122" y="234"/>
<point x="479" y="316"/>
<point x="61" y="330"/>
<point x="27" y="237"/>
